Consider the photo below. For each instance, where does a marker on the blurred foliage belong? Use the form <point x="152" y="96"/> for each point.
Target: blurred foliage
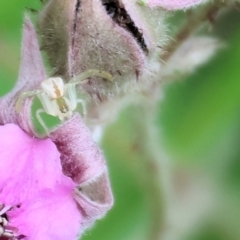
<point x="199" y="126"/>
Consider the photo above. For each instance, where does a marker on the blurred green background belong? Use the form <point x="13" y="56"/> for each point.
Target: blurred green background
<point x="199" y="127"/>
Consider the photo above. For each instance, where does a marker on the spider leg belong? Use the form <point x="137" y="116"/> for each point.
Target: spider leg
<point x="47" y="104"/>
<point x="23" y="96"/>
<point x="40" y="120"/>
<point x="83" y="103"/>
<point x="70" y="88"/>
<point x="89" y="73"/>
<point x="71" y="91"/>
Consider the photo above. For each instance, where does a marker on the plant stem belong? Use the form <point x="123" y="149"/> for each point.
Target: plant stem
<point x="153" y="171"/>
<point x="194" y="21"/>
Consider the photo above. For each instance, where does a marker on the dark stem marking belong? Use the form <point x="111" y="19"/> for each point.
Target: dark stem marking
<point x="76" y="12"/>
<point x="115" y="9"/>
<point x="77" y="8"/>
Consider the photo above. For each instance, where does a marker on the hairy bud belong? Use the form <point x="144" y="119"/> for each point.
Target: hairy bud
<point x="121" y="37"/>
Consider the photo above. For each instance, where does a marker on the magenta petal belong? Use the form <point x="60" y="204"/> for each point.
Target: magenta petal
<point x="51" y="215"/>
<point x="174" y="4"/>
<point x="83" y="161"/>
<point x="30" y="75"/>
<point x="81" y="158"/>
<point x="27" y="165"/>
<point x="31" y="70"/>
<point x="94" y="198"/>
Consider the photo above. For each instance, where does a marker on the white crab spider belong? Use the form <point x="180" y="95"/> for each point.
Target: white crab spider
<point x="57" y="98"/>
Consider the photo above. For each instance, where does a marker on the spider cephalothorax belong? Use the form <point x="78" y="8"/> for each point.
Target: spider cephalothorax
<point x="59" y="99"/>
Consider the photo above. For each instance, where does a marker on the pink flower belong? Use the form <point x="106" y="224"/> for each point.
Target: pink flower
<point x="174" y="4"/>
<point x="36" y="196"/>
<point x="53" y="188"/>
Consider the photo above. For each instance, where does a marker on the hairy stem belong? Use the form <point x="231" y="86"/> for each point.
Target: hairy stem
<point x="195" y="19"/>
<point x="153" y="170"/>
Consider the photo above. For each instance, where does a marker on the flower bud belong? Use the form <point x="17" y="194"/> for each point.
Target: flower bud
<point x="121" y="37"/>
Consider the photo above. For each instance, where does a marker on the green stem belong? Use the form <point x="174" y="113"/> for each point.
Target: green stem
<point x="152" y="170"/>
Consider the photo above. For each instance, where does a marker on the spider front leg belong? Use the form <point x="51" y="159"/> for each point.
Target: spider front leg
<point x="48" y="107"/>
<point x="47" y="104"/>
<point x="70" y="89"/>
<point x="23" y="96"/>
<point x="89" y="73"/>
<point x="45" y="101"/>
<point x="40" y="120"/>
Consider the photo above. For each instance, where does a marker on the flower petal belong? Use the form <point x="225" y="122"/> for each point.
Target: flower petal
<point x="174" y="4"/>
<point x="94" y="198"/>
<point x="81" y="158"/>
<point x="30" y="75"/>
<point x="27" y="165"/>
<point x="83" y="161"/>
<point x="51" y="215"/>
